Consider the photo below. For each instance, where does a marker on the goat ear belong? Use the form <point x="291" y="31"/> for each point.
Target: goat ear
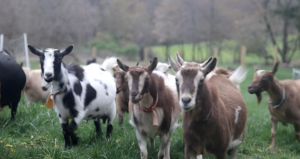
<point x="67" y="50"/>
<point x="122" y="66"/>
<point x="179" y="59"/>
<point x="137" y="63"/>
<point x="209" y="67"/>
<point x="35" y="51"/>
<point x="206" y="62"/>
<point x="152" y="65"/>
<point x="174" y="64"/>
<point x="275" y="68"/>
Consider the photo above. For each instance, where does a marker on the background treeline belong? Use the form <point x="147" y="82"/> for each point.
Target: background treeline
<point x="128" y="27"/>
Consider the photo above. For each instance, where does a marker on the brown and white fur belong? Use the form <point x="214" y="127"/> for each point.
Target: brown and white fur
<point x="289" y="110"/>
<point x="236" y="77"/>
<point x="122" y="93"/>
<point x="145" y="87"/>
<point x="215" y="113"/>
<point x="33" y="90"/>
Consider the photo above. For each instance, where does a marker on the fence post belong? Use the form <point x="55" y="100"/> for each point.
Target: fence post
<point x="1" y="42"/>
<point x="26" y="51"/>
<point x="146" y="54"/>
<point x="94" y="50"/>
<point x="243" y="55"/>
<point x="216" y="52"/>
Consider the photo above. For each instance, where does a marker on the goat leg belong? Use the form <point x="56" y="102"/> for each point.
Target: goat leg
<point x="65" y="132"/>
<point x="297" y="131"/>
<point x="72" y="134"/>
<point x="97" y="126"/>
<point x="273" y="131"/>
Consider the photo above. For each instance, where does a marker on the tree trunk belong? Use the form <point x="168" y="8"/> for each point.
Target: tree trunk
<point x="194" y="48"/>
<point x="141" y="53"/>
<point x="285" y="47"/>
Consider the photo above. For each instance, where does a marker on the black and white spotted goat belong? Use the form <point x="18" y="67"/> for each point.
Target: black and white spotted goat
<point x="80" y="92"/>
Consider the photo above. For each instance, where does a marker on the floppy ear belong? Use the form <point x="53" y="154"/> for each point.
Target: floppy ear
<point x="174" y="65"/>
<point x="152" y="65"/>
<point x="122" y="66"/>
<point x="209" y="67"/>
<point x="179" y="59"/>
<point x="275" y="68"/>
<point x="35" y="51"/>
<point x="206" y="62"/>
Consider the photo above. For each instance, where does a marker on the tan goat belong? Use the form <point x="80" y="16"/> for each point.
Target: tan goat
<point x="155" y="108"/>
<point x="284" y="102"/>
<point x="33" y="90"/>
<point x="215" y="113"/>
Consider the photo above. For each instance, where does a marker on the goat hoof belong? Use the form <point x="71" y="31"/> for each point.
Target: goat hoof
<point x="75" y="140"/>
<point x="68" y="146"/>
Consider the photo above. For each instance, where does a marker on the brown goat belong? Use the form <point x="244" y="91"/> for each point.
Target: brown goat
<point x="215" y="113"/>
<point x="123" y="93"/>
<point x="284" y="103"/>
<point x="155" y="108"/>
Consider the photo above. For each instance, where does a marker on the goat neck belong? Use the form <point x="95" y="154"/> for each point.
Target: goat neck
<point x="275" y="92"/>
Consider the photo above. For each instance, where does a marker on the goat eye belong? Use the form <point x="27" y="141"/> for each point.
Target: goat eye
<point x="201" y="80"/>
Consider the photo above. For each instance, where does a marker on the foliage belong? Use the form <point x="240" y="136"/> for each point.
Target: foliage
<point x="36" y="133"/>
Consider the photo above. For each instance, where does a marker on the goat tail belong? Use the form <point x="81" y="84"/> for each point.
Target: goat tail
<point x="238" y="76"/>
<point x="109" y="63"/>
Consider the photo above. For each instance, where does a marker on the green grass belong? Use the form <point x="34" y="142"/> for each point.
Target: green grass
<point x="40" y="126"/>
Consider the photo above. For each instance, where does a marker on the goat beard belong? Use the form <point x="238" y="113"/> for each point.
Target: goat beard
<point x="259" y="98"/>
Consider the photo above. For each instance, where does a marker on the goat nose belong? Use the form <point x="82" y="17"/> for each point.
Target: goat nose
<point x="48" y="75"/>
<point x="133" y="94"/>
<point x="186" y="100"/>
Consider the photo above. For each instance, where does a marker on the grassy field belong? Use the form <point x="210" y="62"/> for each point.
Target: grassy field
<point x="36" y="134"/>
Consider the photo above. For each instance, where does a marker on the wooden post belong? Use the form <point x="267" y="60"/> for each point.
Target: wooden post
<point x="275" y="55"/>
<point x="216" y="52"/>
<point x="146" y="52"/>
<point x="243" y="55"/>
<point x="94" y="52"/>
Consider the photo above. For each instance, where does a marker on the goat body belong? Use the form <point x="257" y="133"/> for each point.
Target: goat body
<point x="33" y="90"/>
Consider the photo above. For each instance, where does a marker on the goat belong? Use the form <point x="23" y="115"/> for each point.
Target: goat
<point x="91" y="61"/>
<point x="12" y="80"/>
<point x="215" y="113"/>
<point x="79" y="92"/>
<point x="284" y="104"/>
<point x="154" y="107"/>
<point x="123" y="94"/>
<point x="33" y="90"/>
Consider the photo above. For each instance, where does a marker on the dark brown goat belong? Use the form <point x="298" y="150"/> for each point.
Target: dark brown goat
<point x="122" y="93"/>
<point x="284" y="102"/>
<point x="215" y="113"/>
